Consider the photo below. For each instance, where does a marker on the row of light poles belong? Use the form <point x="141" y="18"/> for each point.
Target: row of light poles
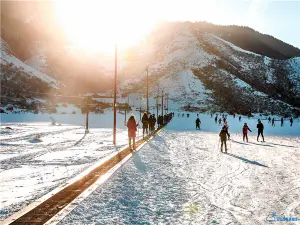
<point x="147" y="96"/>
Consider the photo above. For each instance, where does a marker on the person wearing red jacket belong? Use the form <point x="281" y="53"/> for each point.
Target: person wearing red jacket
<point x="131" y="125"/>
<point x="245" y="131"/>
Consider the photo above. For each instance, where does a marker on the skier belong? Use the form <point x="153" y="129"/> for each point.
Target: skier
<point x="223" y="135"/>
<point x="269" y="119"/>
<point x="178" y="114"/>
<point x="53" y="122"/>
<point x="224" y="120"/>
<point x="281" y="121"/>
<point x="291" y="121"/>
<point x="145" y="121"/>
<point x="188" y="115"/>
<point x="182" y="114"/>
<point x="245" y="131"/>
<point x="220" y="121"/>
<point x="273" y="122"/>
<point x="240" y="118"/>
<point x="131" y="124"/>
<point x="260" y="128"/>
<point x="216" y="119"/>
<point x="211" y="115"/>
<point x="227" y="128"/>
<point x="198" y="121"/>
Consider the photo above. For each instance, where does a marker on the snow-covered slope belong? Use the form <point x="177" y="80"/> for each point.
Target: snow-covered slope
<point x="9" y="59"/>
<point x="195" y="68"/>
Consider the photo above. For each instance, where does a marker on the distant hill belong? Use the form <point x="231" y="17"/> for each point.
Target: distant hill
<point x="203" y="72"/>
<point x="251" y="40"/>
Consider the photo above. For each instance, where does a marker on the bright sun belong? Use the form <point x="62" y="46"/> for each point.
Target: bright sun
<point x="97" y="25"/>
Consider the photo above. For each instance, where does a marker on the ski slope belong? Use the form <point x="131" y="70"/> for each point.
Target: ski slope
<point x="180" y="177"/>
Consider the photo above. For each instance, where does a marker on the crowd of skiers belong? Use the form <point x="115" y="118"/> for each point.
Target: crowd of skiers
<point x="281" y="121"/>
<point x="150" y="121"/>
<point x="224" y="134"/>
<point x="148" y="125"/>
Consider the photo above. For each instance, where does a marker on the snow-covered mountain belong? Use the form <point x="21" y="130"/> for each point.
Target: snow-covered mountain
<point x="201" y="71"/>
<point x="19" y="79"/>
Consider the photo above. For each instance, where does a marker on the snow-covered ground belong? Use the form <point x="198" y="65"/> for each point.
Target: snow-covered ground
<point x="180" y="177"/>
<point x="64" y="116"/>
<point x="31" y="168"/>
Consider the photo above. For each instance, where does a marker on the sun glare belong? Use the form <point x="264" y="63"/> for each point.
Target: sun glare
<point x="99" y="25"/>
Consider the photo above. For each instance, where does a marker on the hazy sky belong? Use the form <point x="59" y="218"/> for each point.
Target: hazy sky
<point x="131" y="19"/>
<point x="279" y="18"/>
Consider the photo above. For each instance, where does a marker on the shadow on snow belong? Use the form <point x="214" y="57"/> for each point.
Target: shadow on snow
<point x="247" y="160"/>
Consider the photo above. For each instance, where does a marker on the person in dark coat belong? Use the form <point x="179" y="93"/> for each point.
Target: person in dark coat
<point x="131" y="125"/>
<point x="273" y="122"/>
<point x="220" y="121"/>
<point x="269" y="119"/>
<point x="281" y="121"/>
<point x="161" y="120"/>
<point x="245" y="131"/>
<point x="216" y="119"/>
<point x="223" y="136"/>
<point x="198" y="121"/>
<point x="153" y="121"/>
<point x="291" y="121"/>
<point x="165" y="119"/>
<point x="227" y="128"/>
<point x="240" y="118"/>
<point x="145" y="121"/>
<point x="260" y="130"/>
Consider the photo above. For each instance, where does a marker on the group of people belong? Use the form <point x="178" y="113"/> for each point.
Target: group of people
<point x="182" y="115"/>
<point x="224" y="133"/>
<point x="281" y="121"/>
<point x="224" y="119"/>
<point x="148" y="125"/>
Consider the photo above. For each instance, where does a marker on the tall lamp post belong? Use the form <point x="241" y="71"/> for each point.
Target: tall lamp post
<point x="115" y="95"/>
<point x="162" y="103"/>
<point x="147" y="92"/>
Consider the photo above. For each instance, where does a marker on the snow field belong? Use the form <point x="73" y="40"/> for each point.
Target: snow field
<point x="30" y="168"/>
<point x="180" y="177"/>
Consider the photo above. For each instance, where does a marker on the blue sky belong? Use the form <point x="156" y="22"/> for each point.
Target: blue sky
<point x="279" y="18"/>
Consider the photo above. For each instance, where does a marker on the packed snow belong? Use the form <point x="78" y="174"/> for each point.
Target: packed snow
<point x="181" y="177"/>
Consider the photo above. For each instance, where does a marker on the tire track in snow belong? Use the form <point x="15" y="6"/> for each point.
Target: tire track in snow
<point x="28" y="158"/>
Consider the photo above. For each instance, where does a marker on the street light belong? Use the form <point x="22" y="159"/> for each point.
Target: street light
<point x="115" y="95"/>
<point x="147" y="92"/>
